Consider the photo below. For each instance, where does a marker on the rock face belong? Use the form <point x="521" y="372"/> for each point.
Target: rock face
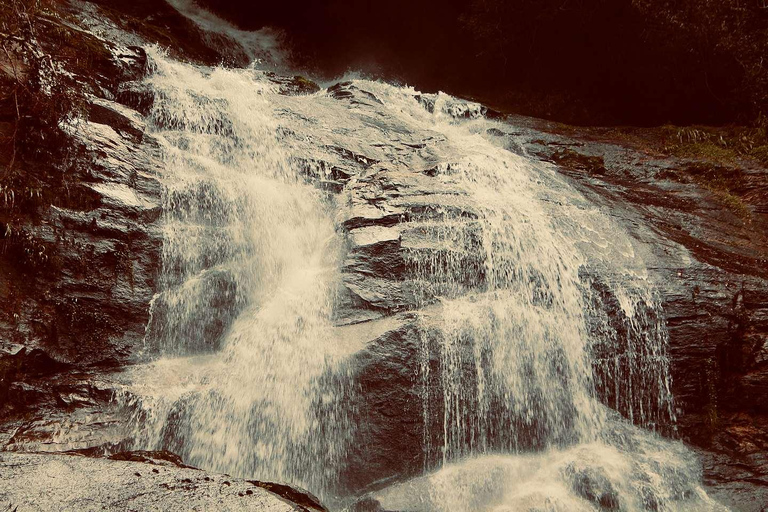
<point x="134" y="481"/>
<point x="80" y="246"/>
<point x="79" y="237"/>
<point x="709" y="256"/>
<point x="704" y="246"/>
<point x="80" y="249"/>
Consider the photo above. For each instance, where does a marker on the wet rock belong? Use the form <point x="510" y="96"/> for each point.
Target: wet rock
<point x="137" y="481"/>
<point x="708" y="264"/>
<point x="457" y="108"/>
<point x="303" y="499"/>
<point x="427" y="101"/>
<point x="365" y="214"/>
<point x="293" y="86"/>
<point x="123" y="120"/>
<point x="733" y="481"/>
<point x="593" y="485"/>
<point x="354" y="94"/>
<point x="388" y="441"/>
<point x="378" y="293"/>
<point x="572" y="160"/>
<point x="375" y="250"/>
<point x="80" y="257"/>
<point x="367" y="504"/>
<point x="146" y="21"/>
<point x="136" y="95"/>
<point x="132" y="61"/>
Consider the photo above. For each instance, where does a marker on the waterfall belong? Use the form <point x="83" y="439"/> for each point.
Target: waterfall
<point x="516" y="353"/>
<point x="249" y="264"/>
<point x="543" y="358"/>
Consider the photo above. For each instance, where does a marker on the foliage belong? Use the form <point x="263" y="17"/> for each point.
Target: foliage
<point x="686" y="60"/>
<point x="736" y="29"/>
<point x="36" y="94"/>
<point x="725" y="145"/>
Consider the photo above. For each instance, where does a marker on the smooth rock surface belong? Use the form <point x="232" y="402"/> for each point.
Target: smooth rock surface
<point x="133" y="481"/>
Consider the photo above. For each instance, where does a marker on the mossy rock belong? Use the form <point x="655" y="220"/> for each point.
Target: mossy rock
<point x="579" y="162"/>
<point x="293" y="86"/>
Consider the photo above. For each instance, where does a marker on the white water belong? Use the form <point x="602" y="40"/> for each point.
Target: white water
<point x="244" y="235"/>
<point x="636" y="472"/>
<point x="251" y="379"/>
<point x="263" y="46"/>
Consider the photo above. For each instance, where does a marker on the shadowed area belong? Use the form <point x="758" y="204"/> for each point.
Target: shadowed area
<point x="579" y="61"/>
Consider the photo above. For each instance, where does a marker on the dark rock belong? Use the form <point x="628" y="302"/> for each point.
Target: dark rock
<point x="593" y="485"/>
<point x="355" y="95"/>
<point x="136" y="95"/>
<point x="352" y="156"/>
<point x="457" y="108"/>
<point x="427" y="101"/>
<point x="303" y="499"/>
<point x="162" y="458"/>
<point x="388" y="440"/>
<point x="293" y="86"/>
<point x="133" y="63"/>
<point x="367" y="504"/>
<point x="574" y="161"/>
<point x="123" y="120"/>
<point x="164" y="25"/>
<point x="80" y="255"/>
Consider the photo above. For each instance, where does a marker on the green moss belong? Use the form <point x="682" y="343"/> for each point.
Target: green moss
<point x="760" y="153"/>
<point x="304" y="81"/>
<point x="731" y="201"/>
<point x="726" y="145"/>
<point x="706" y="150"/>
<point x="724" y="182"/>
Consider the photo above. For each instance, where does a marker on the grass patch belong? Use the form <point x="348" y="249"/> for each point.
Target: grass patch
<point x="723" y="181"/>
<point x="760" y="153"/>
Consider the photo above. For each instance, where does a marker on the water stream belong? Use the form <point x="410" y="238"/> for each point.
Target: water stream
<point x="250" y="377"/>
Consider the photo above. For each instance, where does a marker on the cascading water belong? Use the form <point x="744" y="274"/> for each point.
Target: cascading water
<point x="517" y="354"/>
<point x="544" y="311"/>
<point x="249" y="265"/>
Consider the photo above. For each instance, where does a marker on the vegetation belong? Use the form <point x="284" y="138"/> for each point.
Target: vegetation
<point x="36" y="94"/>
<point x="725" y="145"/>
<point x="654" y="60"/>
<point x="42" y="98"/>
<point x="716" y="31"/>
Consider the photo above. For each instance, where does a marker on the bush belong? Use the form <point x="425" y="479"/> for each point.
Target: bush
<point x="717" y="29"/>
<point x="36" y="94"/>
